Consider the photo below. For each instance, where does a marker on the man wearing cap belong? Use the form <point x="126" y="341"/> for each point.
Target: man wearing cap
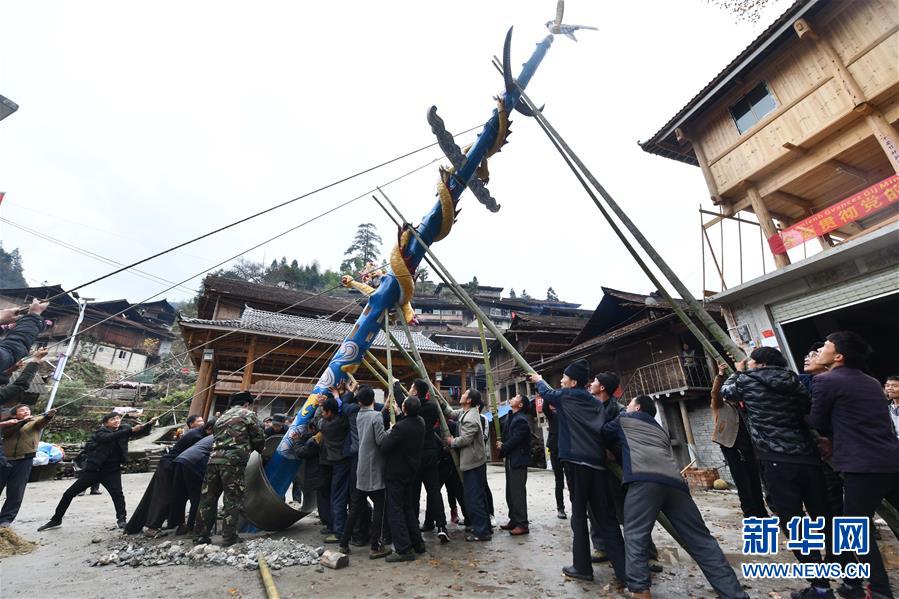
<point x="516" y="449"/>
<point x="277" y="427"/>
<point x="236" y="434"/>
<point x="583" y="453"/>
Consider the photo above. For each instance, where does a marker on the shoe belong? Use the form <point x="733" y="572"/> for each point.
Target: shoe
<point x="519" y="530"/>
<point x="561" y="515"/>
<point x="181" y="531"/>
<point x="345" y="549"/>
<point x="121" y="523"/>
<point x="655" y="566"/>
<point x="427" y="528"/>
<point x="570" y="572"/>
<point x="326" y="531"/>
<point x="812" y="593"/>
<point x="598" y="556"/>
<point x="641" y="594"/>
<point x="231" y="541"/>
<point x="474" y="538"/>
<point x="359" y="542"/>
<point x="508" y="525"/>
<point x="202" y="540"/>
<point x="97" y="492"/>
<point x="51" y="524"/>
<point x="331" y="538"/>
<point x="443" y="535"/>
<point x="851" y="591"/>
<point x="454" y="515"/>
<point x="420" y="549"/>
<point x="409" y="556"/>
<point x="151" y="533"/>
<point x="379" y="553"/>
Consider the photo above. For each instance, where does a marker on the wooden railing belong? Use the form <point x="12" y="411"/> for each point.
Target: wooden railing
<point x="666" y="375"/>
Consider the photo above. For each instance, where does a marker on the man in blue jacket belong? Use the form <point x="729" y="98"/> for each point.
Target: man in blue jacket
<point x="516" y="448"/>
<point x="583" y="453"/>
<point x="654" y="484"/>
<point x="851" y="404"/>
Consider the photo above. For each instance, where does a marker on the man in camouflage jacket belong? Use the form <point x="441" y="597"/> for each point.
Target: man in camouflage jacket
<point x="236" y="434"/>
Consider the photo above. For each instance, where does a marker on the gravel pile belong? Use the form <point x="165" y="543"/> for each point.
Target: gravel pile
<point x="278" y="553"/>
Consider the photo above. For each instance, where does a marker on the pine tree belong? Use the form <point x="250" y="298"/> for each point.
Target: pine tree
<point x="366" y="247"/>
<point x="11" y="269"/>
<point x="421" y="274"/>
<point x="472" y="285"/>
<point x="512" y="294"/>
<point x="524" y="294"/>
<point x="551" y="295"/>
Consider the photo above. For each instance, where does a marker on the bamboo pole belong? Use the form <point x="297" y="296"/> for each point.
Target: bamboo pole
<point x="707" y="321"/>
<point x="271" y="591"/>
<point x="491" y="394"/>
<point x="420" y="368"/>
<point x="390" y="397"/>
<point x="374" y="372"/>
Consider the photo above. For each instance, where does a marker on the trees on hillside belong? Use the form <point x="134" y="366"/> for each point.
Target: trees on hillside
<point x="365" y="248"/>
<point x="11" y="269"/>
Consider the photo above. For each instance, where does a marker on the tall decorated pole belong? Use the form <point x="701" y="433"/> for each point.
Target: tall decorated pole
<point x="468" y="170"/>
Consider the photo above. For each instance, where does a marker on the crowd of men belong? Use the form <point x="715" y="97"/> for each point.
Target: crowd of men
<point x="822" y="443"/>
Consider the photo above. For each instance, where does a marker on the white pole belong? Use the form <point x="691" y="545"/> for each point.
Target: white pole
<point x="60" y="366"/>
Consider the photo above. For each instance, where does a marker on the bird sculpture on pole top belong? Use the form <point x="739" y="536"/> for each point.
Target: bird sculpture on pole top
<point x="556" y="26"/>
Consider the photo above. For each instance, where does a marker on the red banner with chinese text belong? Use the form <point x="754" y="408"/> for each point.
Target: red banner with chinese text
<point x="862" y="204"/>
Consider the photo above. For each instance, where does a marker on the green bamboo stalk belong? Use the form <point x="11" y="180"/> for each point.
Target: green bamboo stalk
<point x="390" y="397"/>
<point x="491" y="396"/>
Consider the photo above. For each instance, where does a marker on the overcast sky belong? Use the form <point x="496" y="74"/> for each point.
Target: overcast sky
<point x="141" y="126"/>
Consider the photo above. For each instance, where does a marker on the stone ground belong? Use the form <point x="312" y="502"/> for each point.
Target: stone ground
<point x="506" y="567"/>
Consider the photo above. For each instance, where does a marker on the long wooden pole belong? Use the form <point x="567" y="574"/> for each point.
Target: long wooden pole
<point x="701" y="314"/>
<point x="491" y="395"/>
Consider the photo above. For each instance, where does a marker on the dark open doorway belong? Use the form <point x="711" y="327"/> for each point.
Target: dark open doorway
<point x="876" y="320"/>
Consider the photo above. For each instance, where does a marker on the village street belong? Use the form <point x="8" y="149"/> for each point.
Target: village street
<point x="527" y="566"/>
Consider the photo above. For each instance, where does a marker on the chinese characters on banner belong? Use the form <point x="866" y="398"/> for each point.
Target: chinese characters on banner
<point x="805" y="534"/>
<point x="864" y="203"/>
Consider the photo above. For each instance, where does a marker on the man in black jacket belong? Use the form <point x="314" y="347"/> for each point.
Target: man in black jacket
<point x="516" y="448"/>
<point x="777" y="404"/>
<point x="552" y="444"/>
<point x="16" y="344"/>
<point x="850" y="403"/>
<point x="581" y="449"/>
<point x="105" y="453"/>
<point x="402" y="450"/>
<point x="335" y="453"/>
<point x="429" y="470"/>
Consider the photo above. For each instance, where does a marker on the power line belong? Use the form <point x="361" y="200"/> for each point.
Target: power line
<point x="261" y="212"/>
<point x="269" y="240"/>
<point x="100" y="258"/>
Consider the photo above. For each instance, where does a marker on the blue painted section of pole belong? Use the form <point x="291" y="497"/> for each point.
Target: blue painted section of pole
<point x="283" y="465"/>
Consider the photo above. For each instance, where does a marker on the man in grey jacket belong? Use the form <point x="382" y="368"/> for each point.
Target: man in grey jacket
<point x="655" y="485"/>
<point x="473" y="463"/>
<point x="369" y="473"/>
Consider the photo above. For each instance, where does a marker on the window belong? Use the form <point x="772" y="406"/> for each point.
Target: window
<point x="752" y="107"/>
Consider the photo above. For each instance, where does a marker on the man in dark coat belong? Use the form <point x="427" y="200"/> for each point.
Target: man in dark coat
<point x="581" y="449"/>
<point x="155" y="505"/>
<point x="401" y="449"/>
<point x="16" y="344"/>
<point x="429" y="470"/>
<point x="188" y="471"/>
<point x="104" y="454"/>
<point x="552" y="444"/>
<point x="850" y="403"/>
<point x="335" y="428"/>
<point x="277" y="427"/>
<point x="516" y="449"/>
<point x="776" y="405"/>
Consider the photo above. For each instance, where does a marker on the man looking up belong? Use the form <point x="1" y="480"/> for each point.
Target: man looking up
<point x="581" y="449"/>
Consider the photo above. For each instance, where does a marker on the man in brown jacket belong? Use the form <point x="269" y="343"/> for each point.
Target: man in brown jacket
<point x="20" y="440"/>
<point x="730" y="433"/>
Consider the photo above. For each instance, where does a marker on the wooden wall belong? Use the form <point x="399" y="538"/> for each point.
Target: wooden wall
<point x="810" y="102"/>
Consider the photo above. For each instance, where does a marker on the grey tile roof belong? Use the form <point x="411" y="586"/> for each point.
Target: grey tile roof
<point x="313" y="329"/>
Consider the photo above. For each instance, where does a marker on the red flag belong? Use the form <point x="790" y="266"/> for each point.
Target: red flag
<point x="2" y="194"/>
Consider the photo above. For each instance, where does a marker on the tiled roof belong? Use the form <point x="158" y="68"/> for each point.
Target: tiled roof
<point x="314" y="329"/>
